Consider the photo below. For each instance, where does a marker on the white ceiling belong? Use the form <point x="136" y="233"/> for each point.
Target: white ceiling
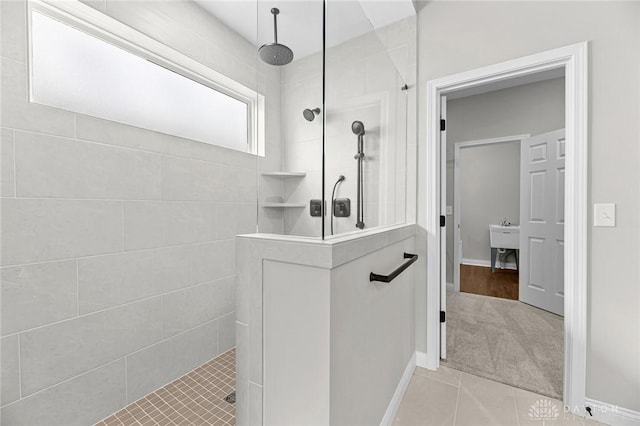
<point x="300" y="21"/>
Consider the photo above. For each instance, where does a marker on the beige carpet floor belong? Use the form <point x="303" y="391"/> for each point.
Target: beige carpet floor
<point x="506" y="341"/>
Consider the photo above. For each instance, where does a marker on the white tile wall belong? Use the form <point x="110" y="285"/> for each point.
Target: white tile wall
<point x="226" y="332"/>
<point x="18" y="113"/>
<point x="53" y="167"/>
<point x="184" y="310"/>
<point x="13" y="18"/>
<point x="157" y="365"/>
<point x="108" y="281"/>
<point x="38" y="230"/>
<point x="10" y="369"/>
<point x="118" y="253"/>
<point x="77" y="402"/>
<point x="159" y="224"/>
<point x="8" y="185"/>
<point x="60" y="351"/>
<point x="204" y="269"/>
<point x="38" y="294"/>
<point x="111" y="133"/>
<point x="195" y="180"/>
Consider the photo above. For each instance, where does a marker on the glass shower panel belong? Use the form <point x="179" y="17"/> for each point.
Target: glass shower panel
<point x="366" y="118"/>
<point x="290" y="173"/>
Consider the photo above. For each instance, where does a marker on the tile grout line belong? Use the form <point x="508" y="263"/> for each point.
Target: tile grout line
<point x="437" y="379"/>
<point x="162" y="330"/>
<point x="122" y="224"/>
<point x="242" y="203"/>
<point x="20" y="365"/>
<point x="455" y="411"/>
<point x="61" y="382"/>
<point x="515" y="405"/>
<point x="146" y="299"/>
<point x="15" y="171"/>
<point x="77" y="289"/>
<point x="126" y="378"/>
<point x="90" y="256"/>
<point x="235" y="164"/>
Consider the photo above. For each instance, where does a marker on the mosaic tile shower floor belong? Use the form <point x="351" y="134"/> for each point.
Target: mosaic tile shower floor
<point x="197" y="398"/>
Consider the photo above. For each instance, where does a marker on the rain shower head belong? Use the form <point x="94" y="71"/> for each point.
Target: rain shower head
<point x="275" y="53"/>
<point x="357" y="128"/>
<point x="310" y="114"/>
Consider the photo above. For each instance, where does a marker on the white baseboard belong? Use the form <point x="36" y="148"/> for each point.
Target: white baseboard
<point x="394" y="404"/>
<point x="612" y="414"/>
<point x="487" y="263"/>
<point x="421" y="359"/>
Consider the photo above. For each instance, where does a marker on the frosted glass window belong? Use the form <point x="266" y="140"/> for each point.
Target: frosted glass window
<point x="75" y="71"/>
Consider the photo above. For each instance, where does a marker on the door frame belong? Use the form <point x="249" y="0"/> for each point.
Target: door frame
<point x="574" y="60"/>
<point x="457" y="259"/>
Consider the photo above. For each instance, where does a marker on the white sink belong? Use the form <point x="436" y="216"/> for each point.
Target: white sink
<point x="507" y="237"/>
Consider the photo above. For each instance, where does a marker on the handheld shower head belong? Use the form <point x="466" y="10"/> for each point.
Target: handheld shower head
<point x="357" y="128"/>
<point x="310" y="114"/>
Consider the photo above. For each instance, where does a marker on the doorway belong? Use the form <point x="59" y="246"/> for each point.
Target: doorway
<point x="483" y="172"/>
<point x="494" y="329"/>
<point x="573" y="60"/>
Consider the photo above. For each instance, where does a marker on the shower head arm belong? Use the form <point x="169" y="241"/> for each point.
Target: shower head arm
<point x="275" y="12"/>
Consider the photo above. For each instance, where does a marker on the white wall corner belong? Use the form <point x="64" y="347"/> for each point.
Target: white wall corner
<point x="612" y="414"/>
<point x="394" y="404"/>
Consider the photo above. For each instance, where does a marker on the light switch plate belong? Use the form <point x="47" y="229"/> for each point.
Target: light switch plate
<point x="449" y="210"/>
<point x="604" y="214"/>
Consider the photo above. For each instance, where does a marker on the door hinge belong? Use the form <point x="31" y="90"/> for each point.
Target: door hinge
<point x="442" y="221"/>
<point x="443" y="316"/>
<point x="443" y="124"/>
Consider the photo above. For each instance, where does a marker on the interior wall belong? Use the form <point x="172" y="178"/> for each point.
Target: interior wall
<point x="489" y="193"/>
<point x="118" y="247"/>
<point x="363" y="80"/>
<point x="461" y="36"/>
<point x="529" y="109"/>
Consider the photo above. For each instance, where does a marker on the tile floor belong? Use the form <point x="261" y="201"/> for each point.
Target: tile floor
<point x="444" y="397"/>
<point x="197" y="398"/>
<point x="450" y="397"/>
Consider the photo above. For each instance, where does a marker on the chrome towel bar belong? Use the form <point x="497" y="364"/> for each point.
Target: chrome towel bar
<point x="388" y="278"/>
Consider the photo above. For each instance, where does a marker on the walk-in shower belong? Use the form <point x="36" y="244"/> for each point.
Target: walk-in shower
<point x="146" y="287"/>
<point x="347" y="81"/>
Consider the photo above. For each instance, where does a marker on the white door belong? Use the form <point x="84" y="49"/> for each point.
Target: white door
<point x="542" y="221"/>
<point x="443" y="229"/>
